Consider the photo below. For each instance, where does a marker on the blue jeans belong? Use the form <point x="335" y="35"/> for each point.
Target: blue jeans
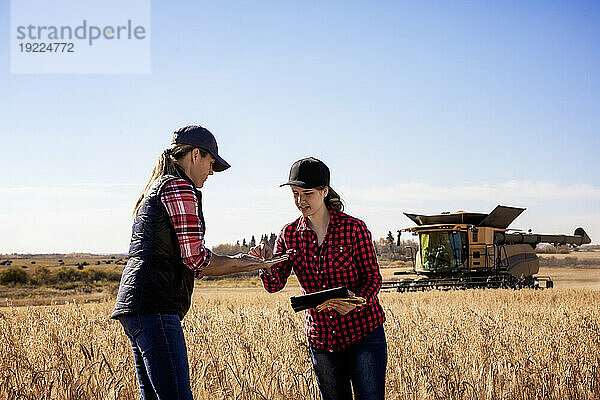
<point x="160" y="355"/>
<point x="363" y="364"/>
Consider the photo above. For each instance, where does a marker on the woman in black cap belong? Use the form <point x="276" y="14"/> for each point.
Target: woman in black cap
<point x="166" y="252"/>
<point x="327" y="249"/>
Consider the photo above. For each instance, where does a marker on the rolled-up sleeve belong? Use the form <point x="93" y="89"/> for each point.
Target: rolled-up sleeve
<point x="179" y="198"/>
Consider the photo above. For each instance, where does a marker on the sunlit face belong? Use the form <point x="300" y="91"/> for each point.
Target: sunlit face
<point x="309" y="201"/>
<point x="200" y="167"/>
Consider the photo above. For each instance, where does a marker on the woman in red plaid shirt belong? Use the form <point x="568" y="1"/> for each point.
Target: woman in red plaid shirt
<point x="328" y="249"/>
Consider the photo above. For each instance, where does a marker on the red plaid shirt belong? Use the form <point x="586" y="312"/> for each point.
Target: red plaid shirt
<point x="345" y="258"/>
<point x="179" y="198"/>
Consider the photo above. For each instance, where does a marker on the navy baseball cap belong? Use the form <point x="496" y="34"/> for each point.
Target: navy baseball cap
<point x="308" y="173"/>
<point x="200" y="137"/>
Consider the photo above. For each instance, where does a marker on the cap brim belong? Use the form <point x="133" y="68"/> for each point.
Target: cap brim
<point x="301" y="184"/>
<point x="220" y="165"/>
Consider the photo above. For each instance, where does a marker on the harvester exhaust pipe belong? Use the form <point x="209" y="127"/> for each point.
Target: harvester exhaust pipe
<point x="579" y="238"/>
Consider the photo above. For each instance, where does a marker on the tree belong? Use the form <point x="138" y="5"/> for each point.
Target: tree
<point x="386" y="250"/>
<point x="252" y="241"/>
<point x="390" y="237"/>
<point x="271" y="241"/>
<point x="228" y="249"/>
<point x="390" y="243"/>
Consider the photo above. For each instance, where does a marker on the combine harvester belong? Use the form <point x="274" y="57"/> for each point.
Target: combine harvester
<point x="471" y="250"/>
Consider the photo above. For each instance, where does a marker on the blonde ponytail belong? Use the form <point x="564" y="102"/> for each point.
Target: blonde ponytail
<point x="165" y="165"/>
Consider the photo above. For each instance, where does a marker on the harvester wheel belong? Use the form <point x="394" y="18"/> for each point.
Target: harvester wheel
<point x="549" y="284"/>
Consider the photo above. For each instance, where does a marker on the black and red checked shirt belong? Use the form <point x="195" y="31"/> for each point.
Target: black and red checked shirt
<point x="345" y="258"/>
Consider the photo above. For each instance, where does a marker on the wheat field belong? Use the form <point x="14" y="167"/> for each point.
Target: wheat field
<point x="247" y="344"/>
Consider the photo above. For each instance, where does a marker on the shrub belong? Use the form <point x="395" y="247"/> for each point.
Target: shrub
<point x="66" y="286"/>
<point x="39" y="275"/>
<point x="66" y="275"/>
<point x="95" y="274"/>
<point x="13" y="275"/>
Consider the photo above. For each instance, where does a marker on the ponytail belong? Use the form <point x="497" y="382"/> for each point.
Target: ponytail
<point x="165" y="165"/>
<point x="333" y="200"/>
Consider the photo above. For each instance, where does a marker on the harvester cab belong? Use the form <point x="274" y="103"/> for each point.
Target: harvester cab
<point x="475" y="250"/>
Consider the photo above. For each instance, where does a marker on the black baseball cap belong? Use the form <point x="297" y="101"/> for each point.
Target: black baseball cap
<point x="200" y="137"/>
<point x="308" y="173"/>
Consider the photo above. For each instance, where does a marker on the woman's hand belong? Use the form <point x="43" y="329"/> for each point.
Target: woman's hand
<point x="339" y="305"/>
<point x="264" y="252"/>
<point x="224" y="265"/>
<point x="261" y="251"/>
<point x="248" y="262"/>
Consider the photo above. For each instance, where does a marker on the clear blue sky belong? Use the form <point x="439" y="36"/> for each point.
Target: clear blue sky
<point x="415" y="107"/>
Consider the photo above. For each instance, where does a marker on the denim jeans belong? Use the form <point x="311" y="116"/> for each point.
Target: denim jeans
<point x="160" y="355"/>
<point x="363" y="364"/>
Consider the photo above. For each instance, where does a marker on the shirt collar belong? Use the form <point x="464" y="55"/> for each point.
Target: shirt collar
<point x="334" y="220"/>
<point x="184" y="176"/>
<point x="181" y="173"/>
<point x="302" y="224"/>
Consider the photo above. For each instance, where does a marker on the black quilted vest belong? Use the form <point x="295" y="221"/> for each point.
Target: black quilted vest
<point x="155" y="280"/>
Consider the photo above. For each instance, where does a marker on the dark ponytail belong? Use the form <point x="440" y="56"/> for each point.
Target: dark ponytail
<point x="333" y="200"/>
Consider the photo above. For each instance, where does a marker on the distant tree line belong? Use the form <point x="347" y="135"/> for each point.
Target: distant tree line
<point x="564" y="249"/>
<point x="41" y="276"/>
<point x="386" y="248"/>
<point x="568" y="261"/>
<point x="549" y="249"/>
<point x="244" y="246"/>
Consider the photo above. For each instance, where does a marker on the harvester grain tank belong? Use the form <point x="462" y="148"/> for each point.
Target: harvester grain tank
<point x="475" y="250"/>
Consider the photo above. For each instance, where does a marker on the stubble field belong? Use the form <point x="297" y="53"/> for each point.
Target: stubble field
<point x="246" y="344"/>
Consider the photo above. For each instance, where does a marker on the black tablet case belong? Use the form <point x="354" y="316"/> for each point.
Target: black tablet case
<point x="312" y="300"/>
